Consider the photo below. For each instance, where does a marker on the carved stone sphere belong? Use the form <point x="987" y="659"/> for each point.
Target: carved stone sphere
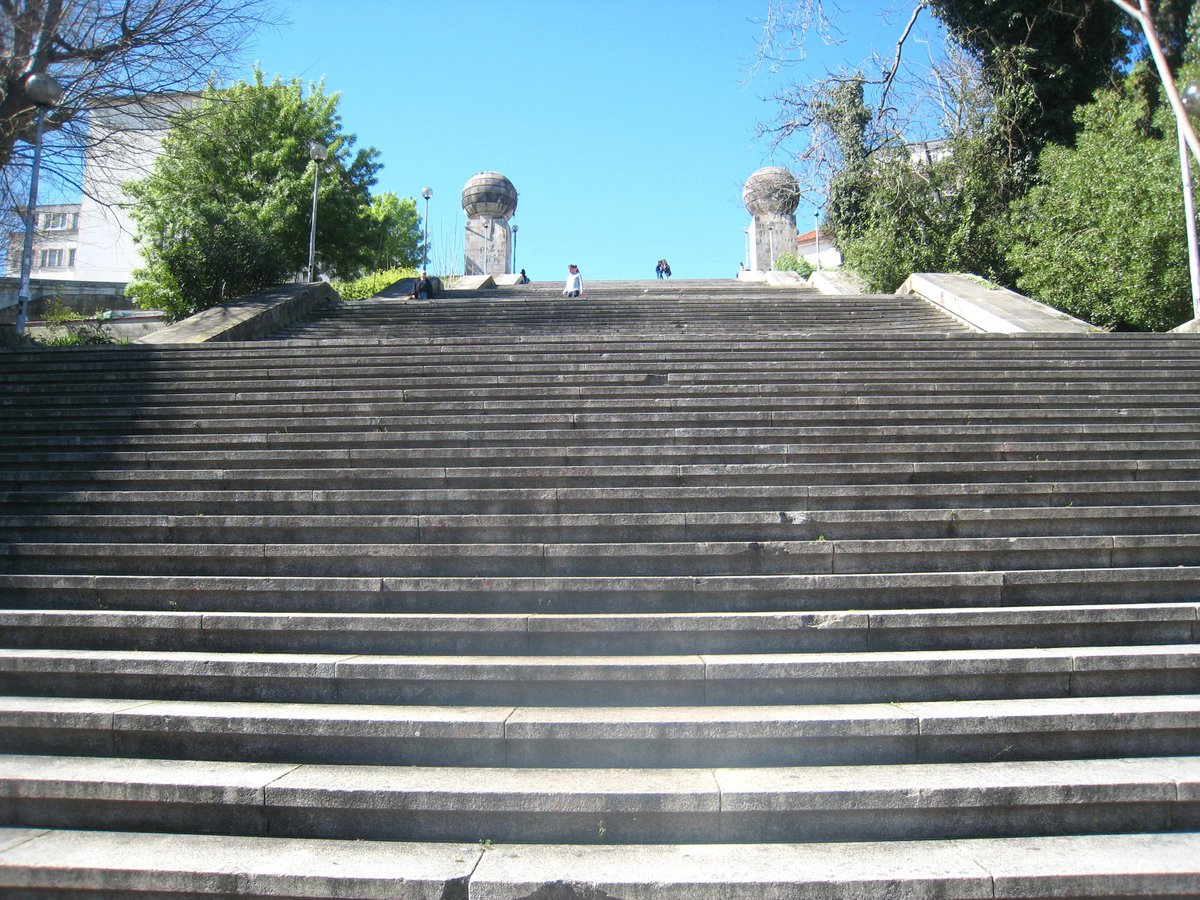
<point x="489" y="195"/>
<point x="773" y="190"/>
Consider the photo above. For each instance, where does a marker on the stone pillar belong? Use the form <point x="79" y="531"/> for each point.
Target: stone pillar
<point x="489" y="200"/>
<point x="771" y="196"/>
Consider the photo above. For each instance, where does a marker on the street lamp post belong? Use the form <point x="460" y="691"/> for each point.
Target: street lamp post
<point x="318" y="153"/>
<point x="771" y="244"/>
<point x="1190" y="97"/>
<point x="817" y="235"/>
<point x="45" y="92"/>
<point x="426" y="193"/>
<point x="515" y="229"/>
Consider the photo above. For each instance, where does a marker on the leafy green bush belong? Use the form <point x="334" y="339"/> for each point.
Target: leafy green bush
<point x="1102" y="237"/>
<point x="62" y="332"/>
<point x="790" y="262"/>
<point x="227" y="208"/>
<point x="58" y="313"/>
<point x="371" y="284"/>
<point x="89" y="335"/>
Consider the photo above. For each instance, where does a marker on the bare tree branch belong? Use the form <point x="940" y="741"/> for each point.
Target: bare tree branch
<point x="890" y="75"/>
<point x="99" y="49"/>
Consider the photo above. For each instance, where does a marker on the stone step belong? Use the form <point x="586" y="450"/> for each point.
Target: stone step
<point x="104" y="862"/>
<point x="615" y="559"/>
<point x="718" y="680"/>
<point x="646" y="387"/>
<point x="93" y="423"/>
<point x="492" y="736"/>
<point x="880" y="499"/>
<point x="461" y="575"/>
<point x="606" y="634"/>
<point x="634" y="443"/>
<point x="779" y="525"/>
<point x="594" y="806"/>
<point x="80" y="472"/>
<point x="638" y="594"/>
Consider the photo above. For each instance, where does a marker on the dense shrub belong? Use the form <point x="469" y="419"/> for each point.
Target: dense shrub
<point x="371" y="284"/>
<point x="790" y="262"/>
<point x="1102" y="237"/>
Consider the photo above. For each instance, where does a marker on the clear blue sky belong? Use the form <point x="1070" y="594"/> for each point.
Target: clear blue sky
<point x="628" y="128"/>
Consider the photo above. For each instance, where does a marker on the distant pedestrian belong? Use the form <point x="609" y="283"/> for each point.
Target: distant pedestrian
<point x="524" y="278"/>
<point x="574" y="285"/>
<point x="666" y="269"/>
<point x="423" y="288"/>
<point x="658" y="268"/>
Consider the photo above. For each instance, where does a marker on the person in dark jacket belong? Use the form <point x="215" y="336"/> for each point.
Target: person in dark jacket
<point x="423" y="289"/>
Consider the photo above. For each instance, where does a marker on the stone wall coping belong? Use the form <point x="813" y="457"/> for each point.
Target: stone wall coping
<point x="991" y="310"/>
<point x="472" y="283"/>
<point x="837" y="281"/>
<point x="246" y="318"/>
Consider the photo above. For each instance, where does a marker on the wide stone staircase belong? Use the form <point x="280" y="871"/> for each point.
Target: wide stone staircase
<point x="688" y="590"/>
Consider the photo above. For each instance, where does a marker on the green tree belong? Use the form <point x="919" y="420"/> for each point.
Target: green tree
<point x="227" y="208"/>
<point x="1102" y="237"/>
<point x="396" y="232"/>
<point x="845" y="116"/>
<point x="1065" y="49"/>
<point x="939" y="206"/>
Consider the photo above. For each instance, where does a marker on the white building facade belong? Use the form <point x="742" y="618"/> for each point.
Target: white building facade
<point x="124" y="138"/>
<point x="93" y="240"/>
<point x="55" y="243"/>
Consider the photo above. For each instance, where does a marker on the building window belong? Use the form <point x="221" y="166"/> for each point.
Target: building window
<point x="52" y="259"/>
<point x="60" y="221"/>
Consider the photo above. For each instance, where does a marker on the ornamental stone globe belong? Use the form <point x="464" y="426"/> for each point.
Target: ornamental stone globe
<point x="771" y="196"/>
<point x="489" y="200"/>
<point x="773" y="190"/>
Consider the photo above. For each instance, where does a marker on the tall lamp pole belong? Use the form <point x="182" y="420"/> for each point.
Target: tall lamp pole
<point x="426" y="193"/>
<point x="318" y="153"/>
<point x="45" y="92"/>
<point x="1190" y="98"/>
<point x="817" y="235"/>
<point x="515" y="229"/>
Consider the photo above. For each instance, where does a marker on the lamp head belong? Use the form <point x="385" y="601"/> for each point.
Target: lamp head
<point x="1190" y="95"/>
<point x="43" y="89"/>
<point x="318" y="152"/>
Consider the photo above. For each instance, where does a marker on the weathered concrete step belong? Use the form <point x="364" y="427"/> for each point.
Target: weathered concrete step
<point x="78" y="863"/>
<point x="719" y="680"/>
<point x="591" y="806"/>
<point x="706" y="426"/>
<point x="782" y="524"/>
<point x="864" y="403"/>
<point x="623" y="447"/>
<point x="340" y="472"/>
<point x="1069" y="349"/>
<point x="580" y="595"/>
<point x="598" y="446"/>
<point x="819" y="499"/>
<point x="727" y="401"/>
<point x="650" y="377"/>
<point x="712" y="361"/>
<point x="604" y="633"/>
<point x="862" y="734"/>
<point x="832" y="557"/>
